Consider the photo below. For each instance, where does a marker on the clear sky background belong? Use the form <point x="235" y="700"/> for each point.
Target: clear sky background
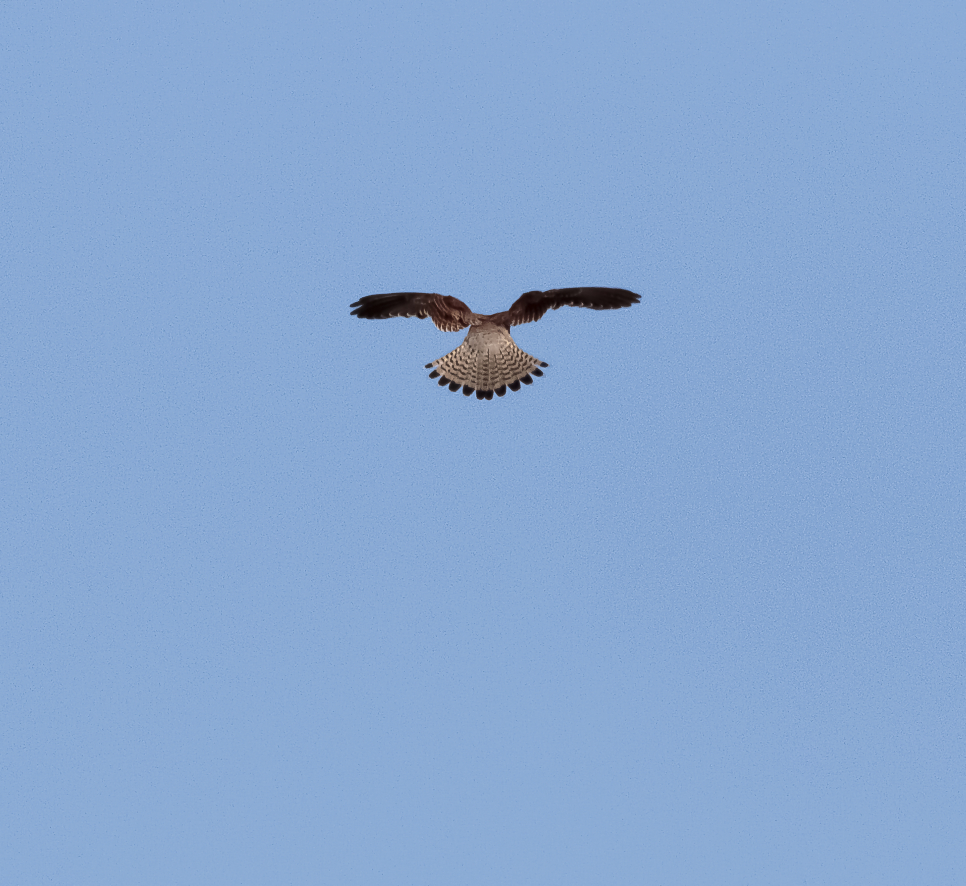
<point x="276" y="608"/>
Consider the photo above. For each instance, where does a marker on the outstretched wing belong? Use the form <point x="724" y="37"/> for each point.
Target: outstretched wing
<point x="533" y="305"/>
<point x="448" y="313"/>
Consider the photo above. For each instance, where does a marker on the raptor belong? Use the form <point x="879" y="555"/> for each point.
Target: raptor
<point x="488" y="361"/>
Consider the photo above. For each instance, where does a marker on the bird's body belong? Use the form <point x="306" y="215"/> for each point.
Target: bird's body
<point x="488" y="361"/>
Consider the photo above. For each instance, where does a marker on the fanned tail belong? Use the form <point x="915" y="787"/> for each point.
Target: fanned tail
<point x="486" y="370"/>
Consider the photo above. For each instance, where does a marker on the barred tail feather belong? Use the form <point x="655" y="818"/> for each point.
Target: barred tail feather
<point x="487" y="370"/>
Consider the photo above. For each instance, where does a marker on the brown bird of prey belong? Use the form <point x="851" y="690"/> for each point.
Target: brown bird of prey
<point x="488" y="361"/>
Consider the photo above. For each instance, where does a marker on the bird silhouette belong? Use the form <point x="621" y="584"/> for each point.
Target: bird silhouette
<point x="488" y="361"/>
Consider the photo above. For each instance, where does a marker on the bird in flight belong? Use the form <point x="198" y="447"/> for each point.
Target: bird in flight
<point x="488" y="361"/>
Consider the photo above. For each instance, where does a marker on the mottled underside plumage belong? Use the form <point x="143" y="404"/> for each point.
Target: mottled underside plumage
<point x="488" y="361"/>
<point x="488" y="365"/>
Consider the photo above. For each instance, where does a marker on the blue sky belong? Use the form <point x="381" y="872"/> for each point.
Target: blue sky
<point x="277" y="608"/>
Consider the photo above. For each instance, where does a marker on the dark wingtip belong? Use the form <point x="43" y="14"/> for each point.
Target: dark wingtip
<point x="434" y="374"/>
<point x="454" y="385"/>
<point x="481" y="395"/>
<point x="489" y="395"/>
<point x="443" y="382"/>
<point x="527" y="380"/>
<point x="428" y="366"/>
<point x="544" y="365"/>
<point x="537" y="372"/>
<point x="500" y="391"/>
<point x="467" y="390"/>
<point x="515" y="385"/>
